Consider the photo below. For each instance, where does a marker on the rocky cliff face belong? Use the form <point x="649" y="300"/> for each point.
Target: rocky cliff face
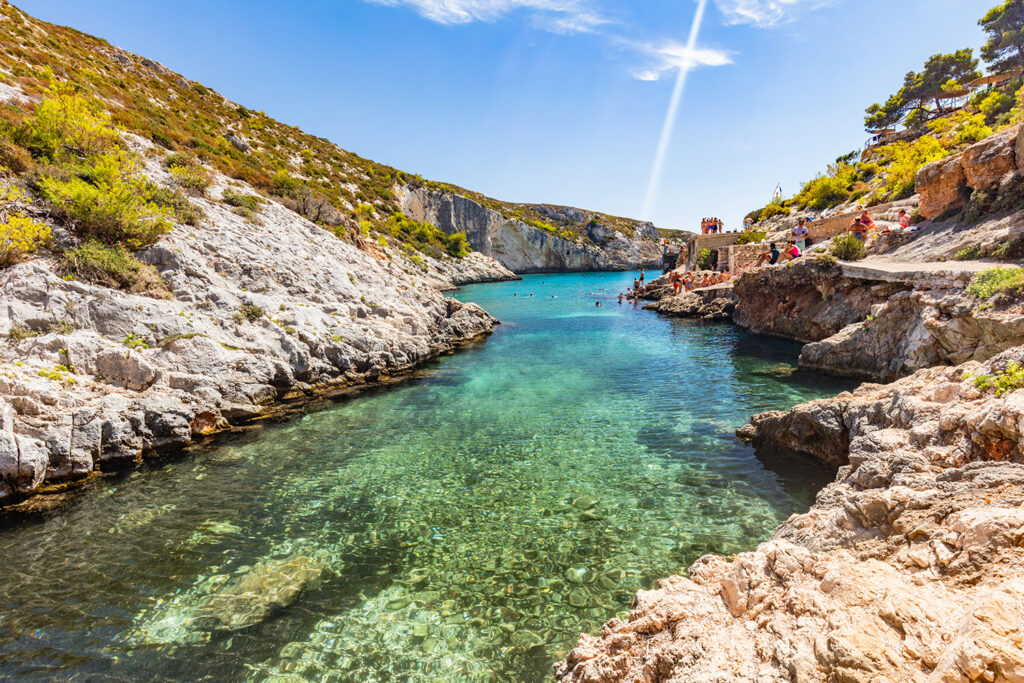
<point x="91" y="376"/>
<point x="988" y="174"/>
<point x="857" y="324"/>
<point x="525" y="249"/>
<point x="907" y="568"/>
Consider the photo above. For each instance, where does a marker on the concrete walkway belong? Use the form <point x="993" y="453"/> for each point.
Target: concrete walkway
<point x="895" y="271"/>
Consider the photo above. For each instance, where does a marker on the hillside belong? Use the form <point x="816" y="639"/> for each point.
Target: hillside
<point x="355" y="198"/>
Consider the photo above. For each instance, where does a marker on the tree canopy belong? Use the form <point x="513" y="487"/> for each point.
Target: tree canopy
<point x="942" y="74"/>
<point x="1004" y="24"/>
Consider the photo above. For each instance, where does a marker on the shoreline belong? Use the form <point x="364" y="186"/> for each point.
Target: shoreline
<point x="904" y="557"/>
<point x="288" y="407"/>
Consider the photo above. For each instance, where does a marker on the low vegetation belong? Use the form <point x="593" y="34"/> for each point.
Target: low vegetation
<point x="251" y="312"/>
<point x="847" y="248"/>
<point x="777" y="208"/>
<point x="992" y="281"/>
<point x="704" y="259"/>
<point x="20" y="235"/>
<point x="1010" y="379"/>
<point x="112" y="266"/>
<point x="968" y="253"/>
<point x="189" y="175"/>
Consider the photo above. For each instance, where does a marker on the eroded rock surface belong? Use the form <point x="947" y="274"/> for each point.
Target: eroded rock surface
<point x="526" y="249"/>
<point x="260" y="313"/>
<point x="909" y="567"/>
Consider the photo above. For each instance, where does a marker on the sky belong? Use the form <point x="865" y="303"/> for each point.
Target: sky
<point x="557" y="101"/>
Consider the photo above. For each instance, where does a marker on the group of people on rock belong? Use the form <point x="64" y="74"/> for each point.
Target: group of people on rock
<point x="691" y="281"/>
<point x="862" y="226"/>
<point x="711" y="226"/>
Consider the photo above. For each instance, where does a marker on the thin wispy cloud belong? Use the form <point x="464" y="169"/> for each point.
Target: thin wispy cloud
<point x="558" y="16"/>
<point x="653" y="60"/>
<point x="765" y="13"/>
<point x="666" y="59"/>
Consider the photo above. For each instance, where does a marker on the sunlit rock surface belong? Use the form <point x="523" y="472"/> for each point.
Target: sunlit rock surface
<point x="908" y="567"/>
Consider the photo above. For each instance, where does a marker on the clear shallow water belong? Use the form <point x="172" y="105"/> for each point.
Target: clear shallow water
<point x="466" y="526"/>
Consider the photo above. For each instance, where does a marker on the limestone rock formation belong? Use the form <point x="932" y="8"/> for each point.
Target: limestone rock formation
<point x="986" y="162"/>
<point x="93" y="377"/>
<point x="805" y="300"/>
<point x="907" y="568"/>
<point x="947" y="184"/>
<point x="711" y="303"/>
<point x="525" y="249"/>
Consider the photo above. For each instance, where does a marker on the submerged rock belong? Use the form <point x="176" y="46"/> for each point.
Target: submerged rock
<point x="253" y="597"/>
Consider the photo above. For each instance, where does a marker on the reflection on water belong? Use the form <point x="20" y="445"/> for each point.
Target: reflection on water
<point x="466" y="526"/>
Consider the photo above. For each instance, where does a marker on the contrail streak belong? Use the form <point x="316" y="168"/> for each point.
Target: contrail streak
<point x="673" y="113"/>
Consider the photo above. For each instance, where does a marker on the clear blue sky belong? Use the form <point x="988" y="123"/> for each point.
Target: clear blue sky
<point x="558" y="101"/>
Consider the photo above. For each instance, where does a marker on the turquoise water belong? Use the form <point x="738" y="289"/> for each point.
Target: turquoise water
<point x="465" y="526"/>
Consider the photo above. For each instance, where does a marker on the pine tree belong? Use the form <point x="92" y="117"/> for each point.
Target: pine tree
<point x="1004" y="24"/>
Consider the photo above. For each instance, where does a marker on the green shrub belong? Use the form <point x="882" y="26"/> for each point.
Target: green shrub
<point x="111" y="201"/>
<point x="704" y="259"/>
<point x="847" y="248"/>
<point x="134" y="341"/>
<point x="1011" y="249"/>
<point x="902" y="161"/>
<point x="457" y="245"/>
<point x="112" y="266"/>
<point x="992" y="281"/>
<point x="66" y="125"/>
<point x="177" y="203"/>
<point x="1009" y="380"/>
<point x="752" y="237"/>
<point x="251" y="312"/>
<point x="249" y="202"/>
<point x="968" y="253"/>
<point x="20" y="235"/>
<point x="195" y="180"/>
<point x="771" y="211"/>
<point x="832" y="189"/>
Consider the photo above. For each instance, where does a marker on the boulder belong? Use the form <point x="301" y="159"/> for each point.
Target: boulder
<point x="940" y="186"/>
<point x="986" y="162"/>
<point x="240" y="143"/>
<point x="254" y="596"/>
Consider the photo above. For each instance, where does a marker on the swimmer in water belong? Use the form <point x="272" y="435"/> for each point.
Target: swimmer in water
<point x="620" y="297"/>
<point x="598" y="304"/>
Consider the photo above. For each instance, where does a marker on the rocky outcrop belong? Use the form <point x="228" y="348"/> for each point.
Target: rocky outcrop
<point x="805" y="300"/>
<point x="908" y="567"/>
<point x="709" y="303"/>
<point x="91" y="377"/>
<point x="946" y="185"/>
<point x="917" y="329"/>
<point x="525" y="249"/>
<point x="870" y="322"/>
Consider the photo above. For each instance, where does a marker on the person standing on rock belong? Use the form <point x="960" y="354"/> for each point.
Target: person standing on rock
<point x="800" y="234"/>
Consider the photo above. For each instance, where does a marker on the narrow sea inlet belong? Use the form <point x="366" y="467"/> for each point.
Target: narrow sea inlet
<point x="465" y="526"/>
